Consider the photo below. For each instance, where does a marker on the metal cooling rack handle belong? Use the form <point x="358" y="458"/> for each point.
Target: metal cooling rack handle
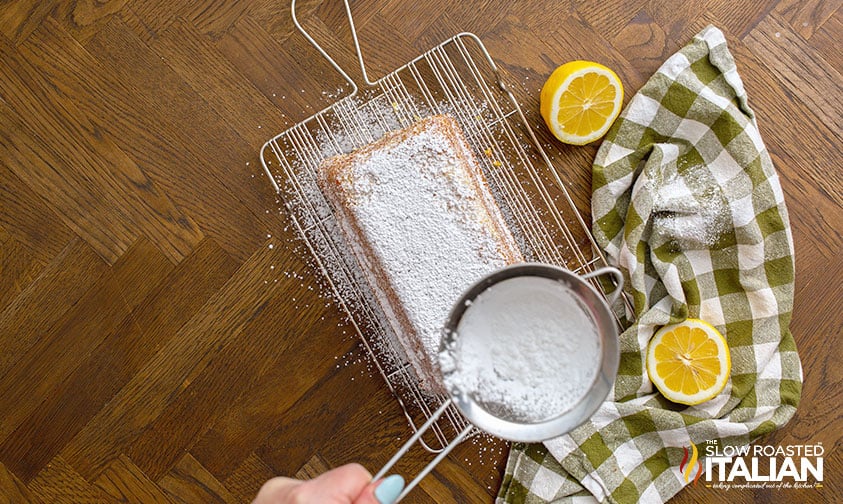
<point x="325" y="54"/>
<point x="410" y="442"/>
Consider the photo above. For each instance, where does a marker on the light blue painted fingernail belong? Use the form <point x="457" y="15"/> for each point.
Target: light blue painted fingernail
<point x="389" y="489"/>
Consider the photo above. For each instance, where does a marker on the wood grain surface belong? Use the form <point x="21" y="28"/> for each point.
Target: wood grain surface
<point x="164" y="336"/>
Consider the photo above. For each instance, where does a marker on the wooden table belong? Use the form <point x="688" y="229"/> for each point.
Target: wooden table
<point x="163" y="337"/>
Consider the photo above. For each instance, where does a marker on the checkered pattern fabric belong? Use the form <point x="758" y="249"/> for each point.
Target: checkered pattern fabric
<point x="687" y="204"/>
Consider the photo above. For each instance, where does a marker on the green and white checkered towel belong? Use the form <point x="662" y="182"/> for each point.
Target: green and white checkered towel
<point x="687" y="204"/>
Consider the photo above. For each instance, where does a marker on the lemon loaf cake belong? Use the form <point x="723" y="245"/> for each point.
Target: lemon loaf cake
<point x="417" y="212"/>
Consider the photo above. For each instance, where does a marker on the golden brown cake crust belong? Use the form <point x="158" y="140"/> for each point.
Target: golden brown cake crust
<point x="335" y="179"/>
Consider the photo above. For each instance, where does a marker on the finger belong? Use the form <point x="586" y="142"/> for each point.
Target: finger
<point x="384" y="491"/>
<point x="346" y="482"/>
<point x="276" y="489"/>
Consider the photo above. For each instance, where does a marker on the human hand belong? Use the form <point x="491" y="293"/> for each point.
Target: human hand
<point x="348" y="484"/>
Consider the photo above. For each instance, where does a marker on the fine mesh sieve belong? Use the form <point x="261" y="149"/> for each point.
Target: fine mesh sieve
<point x="499" y="421"/>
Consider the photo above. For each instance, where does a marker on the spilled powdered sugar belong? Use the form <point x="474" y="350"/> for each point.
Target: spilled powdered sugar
<point x="525" y="349"/>
<point x="356" y="122"/>
<point x="421" y="216"/>
<point x="689" y="208"/>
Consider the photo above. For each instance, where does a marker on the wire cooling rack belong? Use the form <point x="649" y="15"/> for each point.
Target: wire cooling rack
<point x="460" y="78"/>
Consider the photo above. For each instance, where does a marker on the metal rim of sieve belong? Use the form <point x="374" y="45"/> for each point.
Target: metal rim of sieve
<point x="607" y="330"/>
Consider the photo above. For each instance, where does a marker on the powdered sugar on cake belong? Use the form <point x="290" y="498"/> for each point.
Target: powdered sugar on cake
<point x="424" y="219"/>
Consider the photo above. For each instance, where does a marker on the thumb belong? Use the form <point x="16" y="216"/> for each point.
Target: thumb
<point x="384" y="491"/>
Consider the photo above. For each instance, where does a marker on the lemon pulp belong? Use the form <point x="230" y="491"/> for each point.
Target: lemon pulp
<point x="689" y="362"/>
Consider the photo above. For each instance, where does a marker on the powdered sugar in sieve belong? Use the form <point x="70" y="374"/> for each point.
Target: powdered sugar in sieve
<point x="525" y="349"/>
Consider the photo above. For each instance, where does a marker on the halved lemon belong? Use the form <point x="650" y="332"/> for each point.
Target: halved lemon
<point x="580" y="101"/>
<point x="689" y="362"/>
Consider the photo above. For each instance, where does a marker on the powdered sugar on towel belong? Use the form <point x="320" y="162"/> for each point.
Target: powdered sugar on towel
<point x="689" y="207"/>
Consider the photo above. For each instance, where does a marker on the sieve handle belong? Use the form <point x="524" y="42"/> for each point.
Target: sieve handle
<point x="410" y="442"/>
<point x="618" y="281"/>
